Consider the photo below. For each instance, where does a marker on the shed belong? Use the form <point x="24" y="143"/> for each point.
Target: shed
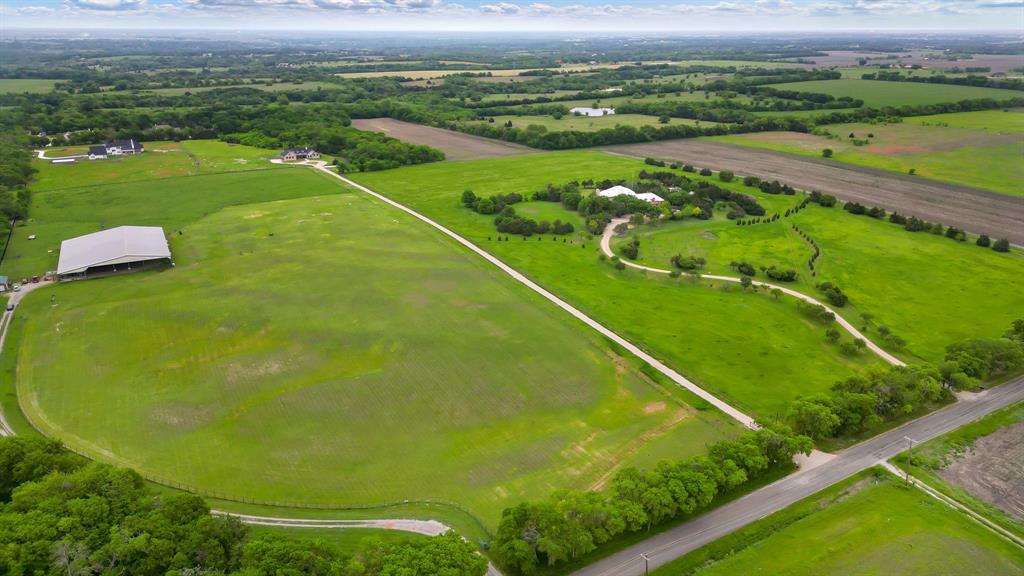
<point x="106" y="250"/>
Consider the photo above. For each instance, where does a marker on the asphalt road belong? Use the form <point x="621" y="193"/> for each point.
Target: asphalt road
<point x="671" y="544"/>
<point x="973" y="209"/>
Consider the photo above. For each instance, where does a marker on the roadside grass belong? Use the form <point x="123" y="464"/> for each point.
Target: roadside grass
<point x="754" y="352"/>
<point x="879" y="93"/>
<point x="592" y="123"/>
<point x="869" y="524"/>
<point x="173" y="203"/>
<point x="984" y="155"/>
<point x="929" y="458"/>
<point x="30" y="85"/>
<point x="332" y="351"/>
<point x="886" y="271"/>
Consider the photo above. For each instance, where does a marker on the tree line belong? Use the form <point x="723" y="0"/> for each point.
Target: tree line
<point x="62" y="515"/>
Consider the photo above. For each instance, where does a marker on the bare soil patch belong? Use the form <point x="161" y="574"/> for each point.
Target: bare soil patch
<point x="975" y="210"/>
<point x="993" y="470"/>
<point x="455" y="145"/>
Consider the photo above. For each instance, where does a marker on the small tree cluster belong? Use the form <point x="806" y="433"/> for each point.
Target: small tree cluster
<point x="834" y="294"/>
<point x="631" y="249"/>
<point x="688" y="262"/>
<point x="823" y="200"/>
<point x="780" y="274"/>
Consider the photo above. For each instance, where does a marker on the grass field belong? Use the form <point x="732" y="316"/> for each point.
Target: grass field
<point x="864" y="526"/>
<point x="695" y="328"/>
<point x="979" y="149"/>
<point x="30" y="85"/>
<point x="593" y="123"/>
<point x="882" y="268"/>
<point x="877" y="93"/>
<point x="347" y="541"/>
<point x="421" y="372"/>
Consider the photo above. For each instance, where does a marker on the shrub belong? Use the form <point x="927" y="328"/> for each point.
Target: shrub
<point x="1001" y="245"/>
<point x="745" y="268"/>
<point x="705" y="172"/>
<point x="688" y="262"/>
<point x="827" y="153"/>
<point x="780" y="275"/>
<point x="983" y="241"/>
<point x="834" y="294"/>
<point x="726" y="176"/>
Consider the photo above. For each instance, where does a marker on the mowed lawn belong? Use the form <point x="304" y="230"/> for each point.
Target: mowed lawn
<point x="332" y="350"/>
<point x="755" y="352"/>
<point x="870" y="527"/>
<point x="983" y="151"/>
<point x="930" y="290"/>
<point x="880" y="93"/>
<point x="160" y="160"/>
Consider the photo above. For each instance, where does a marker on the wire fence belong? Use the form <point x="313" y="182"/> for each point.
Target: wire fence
<point x="283" y="504"/>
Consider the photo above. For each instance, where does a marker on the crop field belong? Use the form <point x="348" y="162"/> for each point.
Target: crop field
<point x="877" y="93"/>
<point x="215" y="375"/>
<point x="885" y="271"/>
<point x="985" y="155"/>
<point x="865" y="526"/>
<point x="22" y="85"/>
<point x="593" y="123"/>
<point x="692" y="327"/>
<point x="455" y="145"/>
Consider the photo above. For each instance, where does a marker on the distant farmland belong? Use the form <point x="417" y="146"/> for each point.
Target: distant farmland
<point x="877" y="93"/>
<point x="31" y="85"/>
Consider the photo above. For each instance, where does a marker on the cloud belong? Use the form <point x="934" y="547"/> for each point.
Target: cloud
<point x="35" y="10"/>
<point x="500" y="8"/>
<point x="1007" y="4"/>
<point x="106" y="5"/>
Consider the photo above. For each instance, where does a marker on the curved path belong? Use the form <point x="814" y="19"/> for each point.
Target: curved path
<point x="606" y="247"/>
<point x="633" y="349"/>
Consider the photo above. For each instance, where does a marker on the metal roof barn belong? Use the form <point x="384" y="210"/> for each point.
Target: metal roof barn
<point x="121" y="245"/>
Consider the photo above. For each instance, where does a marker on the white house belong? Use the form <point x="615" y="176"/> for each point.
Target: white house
<point x="303" y="153"/>
<point x="614" y="191"/>
<point x="124" y="147"/>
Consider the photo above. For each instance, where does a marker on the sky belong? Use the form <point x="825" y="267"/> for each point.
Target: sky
<point x="520" y="15"/>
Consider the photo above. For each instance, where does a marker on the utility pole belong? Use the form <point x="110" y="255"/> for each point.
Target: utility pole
<point x="647" y="565"/>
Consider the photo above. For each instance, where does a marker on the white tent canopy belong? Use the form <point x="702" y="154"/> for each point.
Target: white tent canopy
<point x="120" y="245"/>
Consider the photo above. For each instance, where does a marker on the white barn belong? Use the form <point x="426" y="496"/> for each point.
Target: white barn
<point x="107" y="250"/>
<point x="614" y="191"/>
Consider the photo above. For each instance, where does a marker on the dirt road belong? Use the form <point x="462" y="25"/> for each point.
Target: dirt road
<point x="972" y="209"/>
<point x="606" y="247"/>
<point x="455" y="145"/>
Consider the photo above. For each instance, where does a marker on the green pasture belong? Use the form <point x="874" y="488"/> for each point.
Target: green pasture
<point x="347" y="541"/>
<point x="172" y="203"/>
<point x="30" y="85"/>
<point x="330" y="350"/>
<point x="612" y="100"/>
<point x="878" y="93"/>
<point x="982" y="156"/>
<point x="593" y="123"/>
<point x="524" y="95"/>
<point x="886" y="271"/>
<point x="867" y="525"/>
<point x="1008" y="121"/>
<point x="800" y="113"/>
<point x="160" y="160"/>
<point x="755" y="352"/>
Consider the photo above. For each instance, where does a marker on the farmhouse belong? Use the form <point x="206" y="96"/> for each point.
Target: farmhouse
<point x="111" y="251"/>
<point x="303" y="153"/>
<point x="97" y="152"/>
<point x="124" y="147"/>
<point x="614" y="191"/>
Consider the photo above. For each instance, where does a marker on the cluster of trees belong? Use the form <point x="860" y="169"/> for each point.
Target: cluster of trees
<point x="817" y="249"/>
<point x="781" y="275"/>
<point x="915" y="224"/>
<point x="15" y="172"/>
<point x="834" y="294"/>
<point x="860" y="209"/>
<point x="568" y="194"/>
<point x="702" y="194"/>
<point x="491" y="205"/>
<point x="60" y="515"/>
<point x="863" y="402"/>
<point x="508" y="221"/>
<point x="631" y="249"/>
<point x="571" y="523"/>
<point x="688" y="262"/>
<point x="970" y="362"/>
<point x="970" y="80"/>
<point x="823" y="200"/>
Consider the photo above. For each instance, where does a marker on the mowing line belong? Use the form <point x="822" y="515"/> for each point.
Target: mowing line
<point x="606" y="240"/>
<point x="636" y="351"/>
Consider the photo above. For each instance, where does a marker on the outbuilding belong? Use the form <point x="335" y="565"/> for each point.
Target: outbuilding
<point x="115" y="250"/>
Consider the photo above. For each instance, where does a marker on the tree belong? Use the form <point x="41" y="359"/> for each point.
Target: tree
<point x="663" y="119"/>
<point x="746" y="282"/>
<point x="485" y="206"/>
<point x="832" y="335"/>
<point x="1001" y="245"/>
<point x="827" y="153"/>
<point x="813" y="418"/>
<point x="725" y="176"/>
<point x="468" y="198"/>
<point x="984" y="241"/>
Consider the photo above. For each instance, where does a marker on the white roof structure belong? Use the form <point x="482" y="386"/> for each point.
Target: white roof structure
<point x="650" y="197"/>
<point x="615" y="191"/>
<point x="115" y="246"/>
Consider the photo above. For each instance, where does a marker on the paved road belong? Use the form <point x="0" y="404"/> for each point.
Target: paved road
<point x="669" y="545"/>
<point x="606" y="247"/>
<point x="973" y="209"/>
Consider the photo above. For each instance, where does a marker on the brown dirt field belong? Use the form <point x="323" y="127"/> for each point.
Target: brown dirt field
<point x="455" y="145"/>
<point x="993" y="470"/>
<point x="975" y="210"/>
